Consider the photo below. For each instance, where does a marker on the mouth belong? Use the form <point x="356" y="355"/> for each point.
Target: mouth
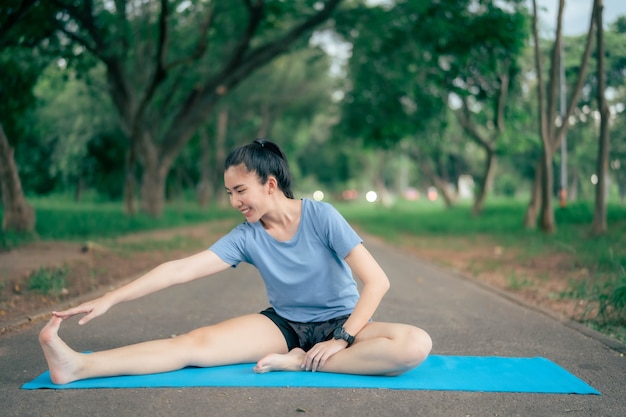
<point x="245" y="211"/>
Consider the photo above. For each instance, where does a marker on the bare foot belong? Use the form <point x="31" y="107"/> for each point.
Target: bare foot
<point x="62" y="360"/>
<point x="291" y="361"/>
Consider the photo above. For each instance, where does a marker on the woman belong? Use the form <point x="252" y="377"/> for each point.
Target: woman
<point x="306" y="253"/>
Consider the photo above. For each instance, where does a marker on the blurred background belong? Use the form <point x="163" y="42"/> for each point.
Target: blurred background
<point x="455" y="120"/>
<point x="139" y="101"/>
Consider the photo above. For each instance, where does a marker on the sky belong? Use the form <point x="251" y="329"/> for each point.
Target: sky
<point x="577" y="14"/>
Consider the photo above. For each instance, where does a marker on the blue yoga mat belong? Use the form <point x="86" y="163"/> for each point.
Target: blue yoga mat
<point x="451" y="373"/>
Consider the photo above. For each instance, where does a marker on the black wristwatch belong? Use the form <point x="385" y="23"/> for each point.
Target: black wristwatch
<point x="340" y="333"/>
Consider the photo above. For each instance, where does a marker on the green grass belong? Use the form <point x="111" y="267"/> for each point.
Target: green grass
<point x="48" y="281"/>
<point x="175" y="243"/>
<point x="501" y="221"/>
<point x="63" y="219"/>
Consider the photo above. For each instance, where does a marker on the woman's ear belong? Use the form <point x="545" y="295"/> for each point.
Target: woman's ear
<point x="272" y="184"/>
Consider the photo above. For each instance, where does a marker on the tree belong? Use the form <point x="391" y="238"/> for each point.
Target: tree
<point x="484" y="65"/>
<point x="598" y="225"/>
<point x="165" y="87"/>
<point x="551" y="135"/>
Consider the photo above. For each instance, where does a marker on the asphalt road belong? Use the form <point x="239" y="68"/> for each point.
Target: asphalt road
<point x="462" y="317"/>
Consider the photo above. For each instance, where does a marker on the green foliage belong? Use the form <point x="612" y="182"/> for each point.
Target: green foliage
<point x="607" y="297"/>
<point x="24" y="26"/>
<point x="25" y="23"/>
<point x="48" y="281"/>
<point x="505" y="185"/>
<point x="18" y="78"/>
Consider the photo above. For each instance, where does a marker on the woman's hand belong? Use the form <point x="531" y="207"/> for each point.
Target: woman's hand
<point x="93" y="309"/>
<point x="317" y="356"/>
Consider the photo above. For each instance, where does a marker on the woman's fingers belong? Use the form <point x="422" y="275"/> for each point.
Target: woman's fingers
<point x="92" y="310"/>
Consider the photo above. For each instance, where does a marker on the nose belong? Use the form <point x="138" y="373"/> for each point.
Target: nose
<point x="234" y="201"/>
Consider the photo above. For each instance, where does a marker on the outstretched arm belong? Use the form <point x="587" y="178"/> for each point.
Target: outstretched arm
<point x="163" y="276"/>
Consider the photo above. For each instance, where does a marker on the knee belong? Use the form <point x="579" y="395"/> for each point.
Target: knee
<point x="417" y="347"/>
<point x="195" y="339"/>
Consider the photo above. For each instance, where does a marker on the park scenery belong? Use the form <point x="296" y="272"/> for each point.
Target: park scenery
<point x="476" y="136"/>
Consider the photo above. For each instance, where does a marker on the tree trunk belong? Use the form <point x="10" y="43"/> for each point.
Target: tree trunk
<point x="425" y="166"/>
<point x="486" y="182"/>
<point x="130" y="184"/>
<point x="487" y="142"/>
<point x="153" y="189"/>
<point x="220" y="156"/>
<point x="205" y="189"/>
<point x="598" y="225"/>
<point x="443" y="188"/>
<point x="19" y="216"/>
<point x="530" y="218"/>
<point x="155" y="170"/>
<point x="547" y="222"/>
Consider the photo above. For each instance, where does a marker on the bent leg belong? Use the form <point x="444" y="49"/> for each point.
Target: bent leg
<point x="382" y="349"/>
<point x="239" y="340"/>
<point x="379" y="349"/>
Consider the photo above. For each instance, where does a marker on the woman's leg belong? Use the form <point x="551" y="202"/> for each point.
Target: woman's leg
<point x="239" y="340"/>
<point x="379" y="349"/>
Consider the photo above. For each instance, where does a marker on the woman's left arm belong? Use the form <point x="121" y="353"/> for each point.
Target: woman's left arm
<point x="375" y="285"/>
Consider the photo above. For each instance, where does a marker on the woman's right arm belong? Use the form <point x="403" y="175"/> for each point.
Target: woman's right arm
<point x="163" y="276"/>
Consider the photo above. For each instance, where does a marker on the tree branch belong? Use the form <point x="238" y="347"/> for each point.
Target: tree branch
<point x="463" y="117"/>
<point x="578" y="86"/>
<point x="543" y="130"/>
<point x="85" y="17"/>
<point x="554" y="70"/>
<point x="254" y="19"/>
<point x="501" y="99"/>
<point x="201" y="46"/>
<point x="199" y="102"/>
<point x="159" y="69"/>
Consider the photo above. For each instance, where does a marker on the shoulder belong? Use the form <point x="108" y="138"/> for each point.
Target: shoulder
<point x="237" y="234"/>
<point x="319" y="208"/>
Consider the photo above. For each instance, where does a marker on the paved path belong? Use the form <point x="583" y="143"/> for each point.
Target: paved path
<point x="463" y="319"/>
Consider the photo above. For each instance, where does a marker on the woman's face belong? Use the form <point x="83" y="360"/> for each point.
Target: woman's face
<point x="246" y="193"/>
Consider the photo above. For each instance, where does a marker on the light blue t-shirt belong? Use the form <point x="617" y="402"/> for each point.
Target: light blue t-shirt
<point x="306" y="278"/>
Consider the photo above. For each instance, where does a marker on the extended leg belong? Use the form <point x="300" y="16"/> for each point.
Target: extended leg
<point x="242" y="339"/>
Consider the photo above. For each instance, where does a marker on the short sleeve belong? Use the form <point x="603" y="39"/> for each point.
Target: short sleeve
<point x="340" y="236"/>
<point x="230" y="248"/>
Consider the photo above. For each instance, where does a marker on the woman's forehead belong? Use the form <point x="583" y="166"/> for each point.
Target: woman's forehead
<point x="240" y="174"/>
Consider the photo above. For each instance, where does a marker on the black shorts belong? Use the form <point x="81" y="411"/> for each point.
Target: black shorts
<point x="304" y="335"/>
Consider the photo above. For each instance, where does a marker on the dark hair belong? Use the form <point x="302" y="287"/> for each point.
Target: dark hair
<point x="265" y="158"/>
